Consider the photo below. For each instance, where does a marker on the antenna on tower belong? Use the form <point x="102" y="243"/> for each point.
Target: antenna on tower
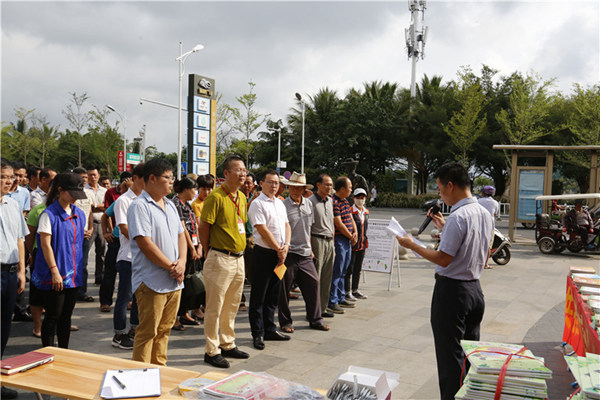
<point x="415" y="37"/>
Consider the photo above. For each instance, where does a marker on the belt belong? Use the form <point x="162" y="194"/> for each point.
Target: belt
<point x="445" y="278"/>
<point x="10" y="267"/>
<point x="322" y="236"/>
<point x="229" y="253"/>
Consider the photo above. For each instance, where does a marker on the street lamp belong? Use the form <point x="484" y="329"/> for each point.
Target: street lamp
<point x="123" y="121"/>
<point x="181" y="59"/>
<point x="302" y="157"/>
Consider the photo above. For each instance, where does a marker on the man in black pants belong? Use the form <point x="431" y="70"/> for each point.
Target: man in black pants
<point x="457" y="306"/>
<point x="272" y="235"/>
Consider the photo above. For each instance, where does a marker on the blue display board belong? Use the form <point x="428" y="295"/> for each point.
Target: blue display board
<point x="531" y="185"/>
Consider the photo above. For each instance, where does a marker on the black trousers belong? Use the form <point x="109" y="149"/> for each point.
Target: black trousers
<point x="57" y="320"/>
<point x="456" y="312"/>
<point x="107" y="287"/>
<point x="300" y="269"/>
<point x="354" y="271"/>
<point x="264" y="293"/>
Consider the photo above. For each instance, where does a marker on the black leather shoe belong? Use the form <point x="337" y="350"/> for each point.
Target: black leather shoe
<point x="22" y="316"/>
<point x="9" y="393"/>
<point x="276" y="335"/>
<point x="327" y="314"/>
<point x="216" y="361"/>
<point x="258" y="343"/>
<point x="234" y="353"/>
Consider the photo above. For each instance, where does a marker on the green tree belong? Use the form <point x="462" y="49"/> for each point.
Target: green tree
<point x="468" y="123"/>
<point x="23" y="143"/>
<point x="103" y="141"/>
<point x="78" y="120"/>
<point x="246" y="121"/>
<point x="46" y="137"/>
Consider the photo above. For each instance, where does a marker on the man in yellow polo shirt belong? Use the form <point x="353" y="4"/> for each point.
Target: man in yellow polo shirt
<point x="223" y="235"/>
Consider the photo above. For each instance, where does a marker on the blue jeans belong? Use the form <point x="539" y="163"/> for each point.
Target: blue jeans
<point x="343" y="254"/>
<point x="8" y="294"/>
<point x="124" y="296"/>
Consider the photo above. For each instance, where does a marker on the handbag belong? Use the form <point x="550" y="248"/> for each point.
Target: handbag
<point x="194" y="282"/>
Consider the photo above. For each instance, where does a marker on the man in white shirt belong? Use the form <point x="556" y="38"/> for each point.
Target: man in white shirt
<point x="122" y="339"/>
<point x="98" y="208"/>
<point x="272" y="234"/>
<point x="38" y="196"/>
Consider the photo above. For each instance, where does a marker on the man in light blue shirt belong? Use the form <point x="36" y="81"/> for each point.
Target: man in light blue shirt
<point x="12" y="256"/>
<point x="158" y="252"/>
<point x="457" y="306"/>
<point x="18" y="192"/>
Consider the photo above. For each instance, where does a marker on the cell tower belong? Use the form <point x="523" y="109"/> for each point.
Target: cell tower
<point x="416" y="38"/>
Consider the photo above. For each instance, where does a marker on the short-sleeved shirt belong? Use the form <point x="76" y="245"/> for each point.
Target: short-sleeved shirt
<point x="86" y="204"/>
<point x="301" y="220"/>
<point x="110" y="211"/>
<point x="121" y="205"/>
<point x="341" y="208"/>
<point x="466" y="236"/>
<point x="272" y="214"/>
<point x="490" y="204"/>
<point x="185" y="214"/>
<point x="146" y="218"/>
<point x="12" y="228"/>
<point x="21" y="196"/>
<point x="323" y="215"/>
<point x="222" y="214"/>
<point x="33" y="218"/>
<point x="111" y="196"/>
<point x="197" y="205"/>
<point x="38" y="196"/>
<point x="97" y="199"/>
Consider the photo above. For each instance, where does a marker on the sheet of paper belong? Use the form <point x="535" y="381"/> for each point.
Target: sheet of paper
<point x="395" y="229"/>
<point x="138" y="383"/>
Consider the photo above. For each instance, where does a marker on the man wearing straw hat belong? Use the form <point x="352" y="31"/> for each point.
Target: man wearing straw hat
<point x="299" y="260"/>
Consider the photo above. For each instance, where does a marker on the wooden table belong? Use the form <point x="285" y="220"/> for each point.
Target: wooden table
<point x="78" y="375"/>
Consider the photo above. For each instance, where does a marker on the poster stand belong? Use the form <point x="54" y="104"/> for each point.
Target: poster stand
<point x="382" y="253"/>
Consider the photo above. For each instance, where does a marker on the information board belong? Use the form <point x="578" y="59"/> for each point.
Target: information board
<point x="202" y="125"/>
<point x="531" y="185"/>
<point x="380" y="253"/>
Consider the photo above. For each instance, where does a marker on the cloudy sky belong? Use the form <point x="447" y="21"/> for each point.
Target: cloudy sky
<point x="118" y="52"/>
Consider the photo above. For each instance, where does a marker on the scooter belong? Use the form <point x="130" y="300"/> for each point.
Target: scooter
<point x="500" y="246"/>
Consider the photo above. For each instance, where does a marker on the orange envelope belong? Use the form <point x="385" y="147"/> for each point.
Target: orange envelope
<point x="280" y="270"/>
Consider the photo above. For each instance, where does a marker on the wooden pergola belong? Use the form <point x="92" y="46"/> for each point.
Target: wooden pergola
<point x="546" y="152"/>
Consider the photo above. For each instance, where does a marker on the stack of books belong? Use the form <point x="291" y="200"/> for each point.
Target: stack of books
<point x="587" y="281"/>
<point x="525" y="374"/>
<point x="586" y="371"/>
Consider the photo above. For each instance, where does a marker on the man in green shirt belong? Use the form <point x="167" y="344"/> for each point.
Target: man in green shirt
<point x="223" y="235"/>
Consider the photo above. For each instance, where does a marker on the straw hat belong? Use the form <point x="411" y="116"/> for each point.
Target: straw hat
<point x="296" y="180"/>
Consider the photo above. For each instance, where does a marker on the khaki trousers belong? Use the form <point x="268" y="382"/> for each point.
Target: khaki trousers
<point x="224" y="283"/>
<point x="324" y="256"/>
<point x="157" y="313"/>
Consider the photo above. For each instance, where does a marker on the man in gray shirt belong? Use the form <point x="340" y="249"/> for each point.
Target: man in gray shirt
<point x="322" y="237"/>
<point x="299" y="261"/>
<point x="457" y="306"/>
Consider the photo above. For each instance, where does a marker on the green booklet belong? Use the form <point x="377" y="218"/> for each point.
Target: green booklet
<point x="489" y="357"/>
<point x="586" y="371"/>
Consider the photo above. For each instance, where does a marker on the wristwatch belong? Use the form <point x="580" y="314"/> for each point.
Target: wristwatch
<point x="286" y="243"/>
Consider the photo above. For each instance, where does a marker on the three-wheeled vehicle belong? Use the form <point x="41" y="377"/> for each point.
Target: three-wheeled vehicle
<point x="550" y="234"/>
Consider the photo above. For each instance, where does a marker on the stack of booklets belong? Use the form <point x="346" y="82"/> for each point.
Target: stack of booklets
<point x="525" y="374"/>
<point x="23" y="362"/>
<point x="586" y="371"/>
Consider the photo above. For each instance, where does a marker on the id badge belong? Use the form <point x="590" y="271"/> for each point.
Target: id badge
<point x="241" y="228"/>
<point x="195" y="239"/>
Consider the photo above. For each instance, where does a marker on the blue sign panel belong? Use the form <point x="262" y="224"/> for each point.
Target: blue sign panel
<point x="531" y="185"/>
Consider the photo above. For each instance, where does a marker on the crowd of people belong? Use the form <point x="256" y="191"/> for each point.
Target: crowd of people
<point x="183" y="251"/>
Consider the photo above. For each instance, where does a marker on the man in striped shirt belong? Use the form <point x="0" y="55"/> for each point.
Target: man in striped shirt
<point x="345" y="236"/>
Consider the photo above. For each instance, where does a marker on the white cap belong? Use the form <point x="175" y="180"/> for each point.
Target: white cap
<point x="359" y="191"/>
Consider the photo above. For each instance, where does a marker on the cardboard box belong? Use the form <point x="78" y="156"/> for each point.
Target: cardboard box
<point x="379" y="382"/>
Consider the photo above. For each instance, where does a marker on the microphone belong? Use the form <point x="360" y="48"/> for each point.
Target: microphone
<point x="434" y="210"/>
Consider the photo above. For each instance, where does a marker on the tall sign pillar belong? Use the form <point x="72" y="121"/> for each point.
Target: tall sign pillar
<point x="202" y="126"/>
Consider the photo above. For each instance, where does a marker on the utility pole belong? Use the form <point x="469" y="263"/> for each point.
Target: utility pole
<point x="415" y="46"/>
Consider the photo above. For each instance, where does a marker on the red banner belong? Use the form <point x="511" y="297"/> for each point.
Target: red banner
<point x="578" y="331"/>
<point x="120" y="161"/>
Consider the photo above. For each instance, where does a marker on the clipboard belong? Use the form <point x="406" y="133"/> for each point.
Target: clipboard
<point x="125" y="383"/>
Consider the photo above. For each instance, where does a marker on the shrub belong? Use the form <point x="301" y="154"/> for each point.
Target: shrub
<point x="402" y="200"/>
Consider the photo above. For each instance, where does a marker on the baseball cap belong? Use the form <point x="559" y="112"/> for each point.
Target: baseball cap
<point x="359" y="191"/>
<point x="72" y="183"/>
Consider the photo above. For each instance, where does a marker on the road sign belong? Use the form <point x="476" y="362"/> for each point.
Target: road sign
<point x="134" y="158"/>
<point x="184" y="167"/>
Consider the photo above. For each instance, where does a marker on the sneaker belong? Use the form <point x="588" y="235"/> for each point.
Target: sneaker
<point x="335" y="308"/>
<point x="216" y="361"/>
<point x="131" y="333"/>
<point x="359" y="295"/>
<point x="347" y="304"/>
<point x="350" y="297"/>
<point x="122" y="341"/>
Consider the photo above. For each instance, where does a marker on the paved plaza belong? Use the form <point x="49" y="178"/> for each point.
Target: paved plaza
<point x="389" y="331"/>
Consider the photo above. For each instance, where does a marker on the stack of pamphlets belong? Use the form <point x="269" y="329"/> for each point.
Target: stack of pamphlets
<point x="525" y="374"/>
<point x="586" y="371"/>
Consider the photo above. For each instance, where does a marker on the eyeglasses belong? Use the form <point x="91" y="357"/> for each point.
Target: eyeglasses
<point x="242" y="171"/>
<point x="273" y="183"/>
<point x="8" y="178"/>
<point x="170" y="178"/>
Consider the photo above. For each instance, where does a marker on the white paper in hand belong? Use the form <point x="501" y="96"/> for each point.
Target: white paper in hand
<point x="395" y="229"/>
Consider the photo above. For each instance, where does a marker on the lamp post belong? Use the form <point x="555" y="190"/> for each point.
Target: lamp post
<point x="181" y="59"/>
<point x="302" y="157"/>
<point x="123" y="121"/>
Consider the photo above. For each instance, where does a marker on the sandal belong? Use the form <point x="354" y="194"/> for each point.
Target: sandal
<point x="185" y="321"/>
<point x="74" y="328"/>
<point x="198" y="318"/>
<point x="104" y="308"/>
<point x="179" y="328"/>
<point x="287" y="329"/>
<point x="37" y="335"/>
<point x="319" y="327"/>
